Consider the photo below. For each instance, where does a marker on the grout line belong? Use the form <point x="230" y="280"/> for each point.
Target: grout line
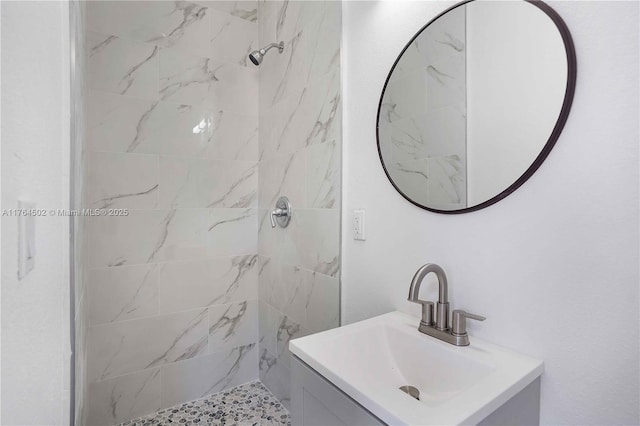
<point x="166" y="314"/>
<point x="205" y="258"/>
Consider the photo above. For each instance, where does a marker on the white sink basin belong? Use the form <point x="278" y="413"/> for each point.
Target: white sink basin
<point x="371" y="359"/>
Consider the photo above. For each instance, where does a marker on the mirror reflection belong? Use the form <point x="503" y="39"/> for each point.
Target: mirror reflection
<point x="472" y="102"/>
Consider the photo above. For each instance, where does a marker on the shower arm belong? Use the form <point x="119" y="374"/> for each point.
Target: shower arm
<point x="280" y="47"/>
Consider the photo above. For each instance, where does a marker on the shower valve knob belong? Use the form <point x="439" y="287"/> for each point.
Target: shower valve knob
<point x="281" y="215"/>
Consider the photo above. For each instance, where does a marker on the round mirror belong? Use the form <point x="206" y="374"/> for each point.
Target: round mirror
<point x="475" y="102"/>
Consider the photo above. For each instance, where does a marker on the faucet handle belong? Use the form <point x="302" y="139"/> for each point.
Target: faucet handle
<point x="281" y="215"/>
<point x="459" y="326"/>
<point x="427" y="311"/>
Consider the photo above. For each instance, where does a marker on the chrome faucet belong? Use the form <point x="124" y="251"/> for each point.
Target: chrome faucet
<point x="281" y="215"/>
<point x="457" y="334"/>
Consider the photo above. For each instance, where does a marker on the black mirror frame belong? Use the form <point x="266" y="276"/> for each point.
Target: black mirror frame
<point x="557" y="129"/>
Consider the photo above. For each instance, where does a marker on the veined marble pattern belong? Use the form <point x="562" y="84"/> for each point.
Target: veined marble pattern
<point x="245" y="9"/>
<point x="172" y="131"/>
<point x="318" y="240"/>
<point x="117" y="180"/>
<point x="127" y="124"/>
<point x="202" y="283"/>
<point x="292" y="294"/>
<point x="205" y="29"/>
<point x="234" y="137"/>
<point x="313" y="116"/>
<point x="122" y="66"/>
<point x="207" y="183"/>
<point x="446" y="82"/>
<point x="123" y="240"/>
<point x="208" y="374"/>
<point x="440" y="84"/>
<point x="310" y="241"/>
<point x="192" y="103"/>
<point x="307" y="302"/>
<point x="307" y="298"/>
<point x="444" y="38"/>
<point x="233" y="38"/>
<point x="186" y="26"/>
<point x="268" y="317"/>
<point x="125" y="397"/>
<point x="448" y="184"/>
<point x="311" y="32"/>
<point x="157" y="22"/>
<point x="276" y="376"/>
<point x="323" y="302"/>
<point x="195" y="80"/>
<point x="248" y="404"/>
<point x="282" y="20"/>
<point x="283" y="175"/>
<point x="274" y="367"/>
<point x="147" y="236"/>
<point x="130" y="381"/>
<point x="233" y="232"/>
<point x="406" y="97"/>
<point x="119" y="294"/>
<point x="125" y="347"/>
<point x="310" y="178"/>
<point x="299" y="145"/>
<point x="233" y="325"/>
<point x="327" y="51"/>
<point x="323" y="175"/>
<point x="437" y="133"/>
<point x="285" y="288"/>
<point x="413" y="177"/>
<point x="287" y="329"/>
<point x="439" y="182"/>
<point x="181" y="236"/>
<point x="422" y="126"/>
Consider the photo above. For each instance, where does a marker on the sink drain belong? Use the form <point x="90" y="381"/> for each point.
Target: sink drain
<point x="413" y="392"/>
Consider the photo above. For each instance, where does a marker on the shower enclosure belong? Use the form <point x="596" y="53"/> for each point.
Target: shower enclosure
<point x="183" y="289"/>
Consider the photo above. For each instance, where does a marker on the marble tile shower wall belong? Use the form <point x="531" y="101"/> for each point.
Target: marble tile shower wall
<point x="300" y="157"/>
<point x="172" y="135"/>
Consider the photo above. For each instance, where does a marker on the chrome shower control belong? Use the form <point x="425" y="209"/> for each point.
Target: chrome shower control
<point x="281" y="215"/>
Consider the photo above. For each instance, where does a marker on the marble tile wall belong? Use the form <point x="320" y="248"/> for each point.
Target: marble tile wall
<point x="299" y="157"/>
<point x="172" y="136"/>
<point x="424" y="116"/>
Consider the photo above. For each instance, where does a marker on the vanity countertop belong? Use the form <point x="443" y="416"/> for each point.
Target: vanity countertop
<point x="369" y="361"/>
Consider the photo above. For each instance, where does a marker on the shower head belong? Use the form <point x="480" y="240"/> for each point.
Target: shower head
<point x="258" y="55"/>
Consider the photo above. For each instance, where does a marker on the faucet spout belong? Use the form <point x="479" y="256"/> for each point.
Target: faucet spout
<point x="442" y="311"/>
<point x="443" y="287"/>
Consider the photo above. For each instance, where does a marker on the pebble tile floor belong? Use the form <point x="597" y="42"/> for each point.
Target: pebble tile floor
<point x="248" y="404"/>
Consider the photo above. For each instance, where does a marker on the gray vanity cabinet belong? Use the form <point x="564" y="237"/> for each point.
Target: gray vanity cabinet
<point x="317" y="402"/>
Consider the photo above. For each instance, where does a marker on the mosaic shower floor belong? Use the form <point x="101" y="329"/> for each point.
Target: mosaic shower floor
<point x="248" y="404"/>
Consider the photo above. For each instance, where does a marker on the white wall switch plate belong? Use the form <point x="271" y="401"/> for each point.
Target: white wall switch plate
<point x="26" y="238"/>
<point x="358" y="225"/>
